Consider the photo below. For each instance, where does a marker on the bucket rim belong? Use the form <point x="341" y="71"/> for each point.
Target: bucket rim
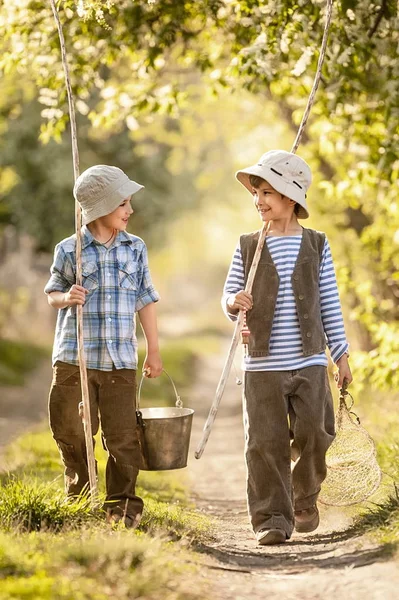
<point x="184" y="412"/>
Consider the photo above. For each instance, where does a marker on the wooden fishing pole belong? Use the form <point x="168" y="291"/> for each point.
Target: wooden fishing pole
<point x="262" y="236"/>
<point x="86" y="417"/>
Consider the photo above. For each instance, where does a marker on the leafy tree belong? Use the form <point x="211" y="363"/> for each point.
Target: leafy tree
<point x="131" y="60"/>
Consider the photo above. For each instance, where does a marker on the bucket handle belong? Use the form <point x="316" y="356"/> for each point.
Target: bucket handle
<point x="178" y="404"/>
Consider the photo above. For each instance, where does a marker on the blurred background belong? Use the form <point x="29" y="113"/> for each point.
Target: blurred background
<point x="180" y="96"/>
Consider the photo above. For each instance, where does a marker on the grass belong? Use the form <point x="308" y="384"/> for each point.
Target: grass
<point x="32" y="487"/>
<point x="96" y="566"/>
<point x="382" y="519"/>
<point x="33" y="506"/>
<point x="31" y="494"/>
<point x="17" y="359"/>
<point x="379" y="515"/>
<point x="53" y="548"/>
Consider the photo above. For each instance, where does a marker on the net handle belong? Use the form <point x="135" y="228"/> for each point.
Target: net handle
<point x="343" y="406"/>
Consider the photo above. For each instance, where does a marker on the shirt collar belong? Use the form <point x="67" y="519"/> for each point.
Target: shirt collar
<point x="87" y="238"/>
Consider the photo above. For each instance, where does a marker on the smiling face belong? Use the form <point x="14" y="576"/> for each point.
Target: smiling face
<point x="270" y="204"/>
<point x="119" y="218"/>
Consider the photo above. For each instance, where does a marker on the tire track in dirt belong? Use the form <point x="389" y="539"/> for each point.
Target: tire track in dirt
<point x="331" y="561"/>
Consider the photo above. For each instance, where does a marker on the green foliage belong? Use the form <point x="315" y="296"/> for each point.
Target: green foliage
<point x="17" y="359"/>
<point x="140" y="66"/>
<point x="39" y="200"/>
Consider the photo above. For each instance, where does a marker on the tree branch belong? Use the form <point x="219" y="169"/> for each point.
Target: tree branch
<point x="379" y="18"/>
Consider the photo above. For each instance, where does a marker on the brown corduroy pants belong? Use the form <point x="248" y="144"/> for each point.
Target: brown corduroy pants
<point x="277" y="403"/>
<point x="112" y="399"/>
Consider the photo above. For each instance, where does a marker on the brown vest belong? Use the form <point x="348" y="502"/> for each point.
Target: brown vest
<point x="305" y="284"/>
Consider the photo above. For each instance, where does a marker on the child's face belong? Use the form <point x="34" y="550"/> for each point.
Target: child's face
<point x="119" y="218"/>
<point x="270" y="204"/>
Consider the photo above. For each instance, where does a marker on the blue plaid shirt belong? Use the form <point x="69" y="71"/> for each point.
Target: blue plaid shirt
<point x="119" y="284"/>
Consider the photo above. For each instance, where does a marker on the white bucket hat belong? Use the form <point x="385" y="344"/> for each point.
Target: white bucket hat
<point x="286" y="172"/>
<point x="100" y="190"/>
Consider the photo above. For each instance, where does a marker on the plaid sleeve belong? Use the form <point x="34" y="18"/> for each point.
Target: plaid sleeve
<point x="62" y="274"/>
<point x="146" y="292"/>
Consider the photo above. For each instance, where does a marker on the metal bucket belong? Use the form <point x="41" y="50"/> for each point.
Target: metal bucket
<point x="164" y="434"/>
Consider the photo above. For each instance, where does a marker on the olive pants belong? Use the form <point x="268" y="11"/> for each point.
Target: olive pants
<point x="277" y="403"/>
<point x="112" y="399"/>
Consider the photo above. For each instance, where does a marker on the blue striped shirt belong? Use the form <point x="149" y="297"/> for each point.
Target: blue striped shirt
<point x="119" y="284"/>
<point x="286" y="351"/>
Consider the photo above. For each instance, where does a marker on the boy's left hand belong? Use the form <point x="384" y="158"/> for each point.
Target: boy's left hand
<point x="344" y="372"/>
<point x="153" y="365"/>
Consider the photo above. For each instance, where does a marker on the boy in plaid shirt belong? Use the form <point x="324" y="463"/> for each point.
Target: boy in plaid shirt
<point x="116" y="284"/>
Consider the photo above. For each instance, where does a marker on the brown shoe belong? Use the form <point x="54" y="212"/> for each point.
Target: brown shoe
<point x="269" y="537"/>
<point x="129" y="521"/>
<point x="307" y="520"/>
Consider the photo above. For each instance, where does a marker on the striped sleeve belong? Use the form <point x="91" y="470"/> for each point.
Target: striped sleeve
<point x="330" y="304"/>
<point x="234" y="282"/>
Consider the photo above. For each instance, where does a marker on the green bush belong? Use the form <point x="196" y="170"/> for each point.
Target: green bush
<point x="17" y="359"/>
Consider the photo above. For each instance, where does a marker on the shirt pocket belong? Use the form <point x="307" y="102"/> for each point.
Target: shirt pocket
<point x="90" y="275"/>
<point x="128" y="273"/>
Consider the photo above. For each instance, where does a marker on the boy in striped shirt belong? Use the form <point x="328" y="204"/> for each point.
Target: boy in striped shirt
<point x="116" y="285"/>
<point x="294" y="311"/>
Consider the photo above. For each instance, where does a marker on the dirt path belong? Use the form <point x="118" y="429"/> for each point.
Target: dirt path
<point x="324" y="565"/>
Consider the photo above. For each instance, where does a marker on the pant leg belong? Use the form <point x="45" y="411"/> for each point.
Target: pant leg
<point x="66" y="425"/>
<point x="267" y="450"/>
<point x="314" y="431"/>
<point x="118" y="422"/>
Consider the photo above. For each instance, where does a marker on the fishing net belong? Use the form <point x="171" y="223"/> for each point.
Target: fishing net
<point x="353" y="473"/>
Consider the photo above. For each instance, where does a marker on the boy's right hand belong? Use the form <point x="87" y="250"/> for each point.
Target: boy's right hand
<point x="76" y="295"/>
<point x="240" y="301"/>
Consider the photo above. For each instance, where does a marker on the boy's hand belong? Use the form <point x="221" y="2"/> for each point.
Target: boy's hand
<point x="240" y="301"/>
<point x="76" y="295"/>
<point x="152" y="366"/>
<point x="344" y="372"/>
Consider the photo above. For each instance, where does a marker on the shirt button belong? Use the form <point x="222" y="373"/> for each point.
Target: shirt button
<point x="109" y="319"/>
<point x="112" y="380"/>
<point x="296" y="277"/>
<point x="109" y="296"/>
<point x="301" y="296"/>
<point x="110" y="341"/>
<point x="308" y="334"/>
<point x="305" y="316"/>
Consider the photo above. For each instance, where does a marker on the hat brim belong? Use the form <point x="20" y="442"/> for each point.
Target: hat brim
<point x="286" y="188"/>
<point x="126" y="190"/>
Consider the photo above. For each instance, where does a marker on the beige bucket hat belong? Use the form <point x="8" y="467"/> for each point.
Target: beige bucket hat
<point x="100" y="190"/>
<point x="286" y="172"/>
